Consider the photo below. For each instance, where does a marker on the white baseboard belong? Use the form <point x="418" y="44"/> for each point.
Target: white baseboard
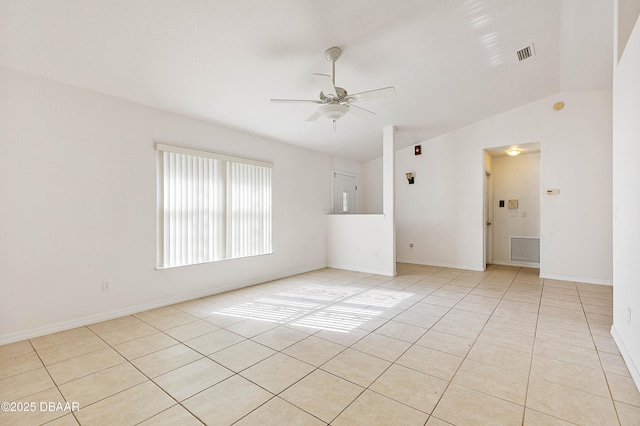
<point x="442" y="264"/>
<point x="521" y="264"/>
<point x="105" y="316"/>
<point x="635" y="373"/>
<point x="365" y="270"/>
<point x="585" y="280"/>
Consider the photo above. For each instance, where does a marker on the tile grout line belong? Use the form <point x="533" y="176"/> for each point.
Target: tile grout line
<point x="316" y="368"/>
<point x="369" y="332"/>
<point x="180" y="403"/>
<point x="203" y="355"/>
<point x="473" y="344"/>
<point x="583" y="312"/>
<point x="111" y="347"/>
<point x="381" y="285"/>
<point x="442" y="316"/>
<point x="349" y="347"/>
<point x="391" y="362"/>
<point x="148" y="379"/>
<point x="388" y="367"/>
<point x="53" y="381"/>
<point x="280" y="351"/>
<point x="129" y="361"/>
<point x="533" y="348"/>
<point x="604" y="373"/>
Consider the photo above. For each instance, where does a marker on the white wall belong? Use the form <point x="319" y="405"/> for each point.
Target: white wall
<point x="78" y="191"/>
<point x="515" y="178"/>
<point x="372" y="186"/>
<point x="442" y="213"/>
<point x="626" y="203"/>
<point x="367" y="242"/>
<point x="359" y="242"/>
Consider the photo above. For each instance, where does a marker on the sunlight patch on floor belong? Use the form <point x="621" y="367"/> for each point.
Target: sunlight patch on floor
<point x="316" y="306"/>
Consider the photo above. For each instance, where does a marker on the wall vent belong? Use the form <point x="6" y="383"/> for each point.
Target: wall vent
<point x="525" y="53"/>
<point x="524" y="249"/>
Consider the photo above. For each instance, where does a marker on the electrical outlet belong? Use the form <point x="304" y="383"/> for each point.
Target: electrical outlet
<point x="106" y="286"/>
<point x="628" y="315"/>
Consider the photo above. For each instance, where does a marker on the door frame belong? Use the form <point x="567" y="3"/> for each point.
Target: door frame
<point x="488" y="231"/>
<point x="488" y="218"/>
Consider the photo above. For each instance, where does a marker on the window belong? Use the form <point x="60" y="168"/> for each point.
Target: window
<point x="211" y="206"/>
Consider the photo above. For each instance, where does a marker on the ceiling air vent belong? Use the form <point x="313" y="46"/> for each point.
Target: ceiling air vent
<point x="525" y="53"/>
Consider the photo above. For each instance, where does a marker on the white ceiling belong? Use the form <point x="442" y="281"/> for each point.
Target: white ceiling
<point x="452" y="61"/>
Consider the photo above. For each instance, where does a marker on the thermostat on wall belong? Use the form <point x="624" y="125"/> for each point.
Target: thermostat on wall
<point x="553" y="191"/>
<point x="513" y="204"/>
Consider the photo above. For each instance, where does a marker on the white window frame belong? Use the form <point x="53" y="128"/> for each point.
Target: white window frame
<point x="227" y="199"/>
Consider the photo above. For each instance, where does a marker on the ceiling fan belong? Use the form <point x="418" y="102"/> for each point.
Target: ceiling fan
<point x="335" y="101"/>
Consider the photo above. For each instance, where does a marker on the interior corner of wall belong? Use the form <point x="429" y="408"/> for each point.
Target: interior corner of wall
<point x="633" y="369"/>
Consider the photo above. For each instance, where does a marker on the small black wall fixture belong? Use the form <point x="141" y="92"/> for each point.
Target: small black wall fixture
<point x="410" y="178"/>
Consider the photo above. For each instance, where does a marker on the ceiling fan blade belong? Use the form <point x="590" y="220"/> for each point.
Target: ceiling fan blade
<point x="374" y="94"/>
<point x="360" y="112"/>
<point x="326" y="84"/>
<point x="314" y="116"/>
<point x="294" y="101"/>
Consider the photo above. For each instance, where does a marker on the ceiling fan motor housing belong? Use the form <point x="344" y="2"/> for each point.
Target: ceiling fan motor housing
<point x="341" y="96"/>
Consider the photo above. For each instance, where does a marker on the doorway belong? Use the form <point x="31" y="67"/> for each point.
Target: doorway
<point x="345" y="193"/>
<point x="512" y="205"/>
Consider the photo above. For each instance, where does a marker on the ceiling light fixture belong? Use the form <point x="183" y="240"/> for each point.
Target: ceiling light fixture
<point x="513" y="152"/>
<point x="333" y="111"/>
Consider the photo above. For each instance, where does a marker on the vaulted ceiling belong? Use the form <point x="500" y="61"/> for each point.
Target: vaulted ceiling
<point x="452" y="62"/>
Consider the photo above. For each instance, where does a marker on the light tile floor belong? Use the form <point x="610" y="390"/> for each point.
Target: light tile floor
<point x="431" y="346"/>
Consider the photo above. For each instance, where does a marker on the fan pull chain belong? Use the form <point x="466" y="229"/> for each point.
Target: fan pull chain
<point x="334" y="125"/>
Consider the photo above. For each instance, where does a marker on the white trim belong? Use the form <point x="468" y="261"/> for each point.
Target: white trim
<point x="521" y="264"/>
<point x="208" y="154"/>
<point x="633" y="370"/>
<point x="442" y="264"/>
<point x="365" y="270"/>
<point x="585" y="280"/>
<point x="92" y="319"/>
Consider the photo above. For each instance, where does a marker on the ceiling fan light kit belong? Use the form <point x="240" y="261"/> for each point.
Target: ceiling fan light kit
<point x="335" y="101"/>
<point x="333" y="111"/>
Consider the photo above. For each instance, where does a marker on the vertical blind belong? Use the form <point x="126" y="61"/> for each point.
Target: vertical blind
<point x="211" y="207"/>
<point x="249" y="197"/>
